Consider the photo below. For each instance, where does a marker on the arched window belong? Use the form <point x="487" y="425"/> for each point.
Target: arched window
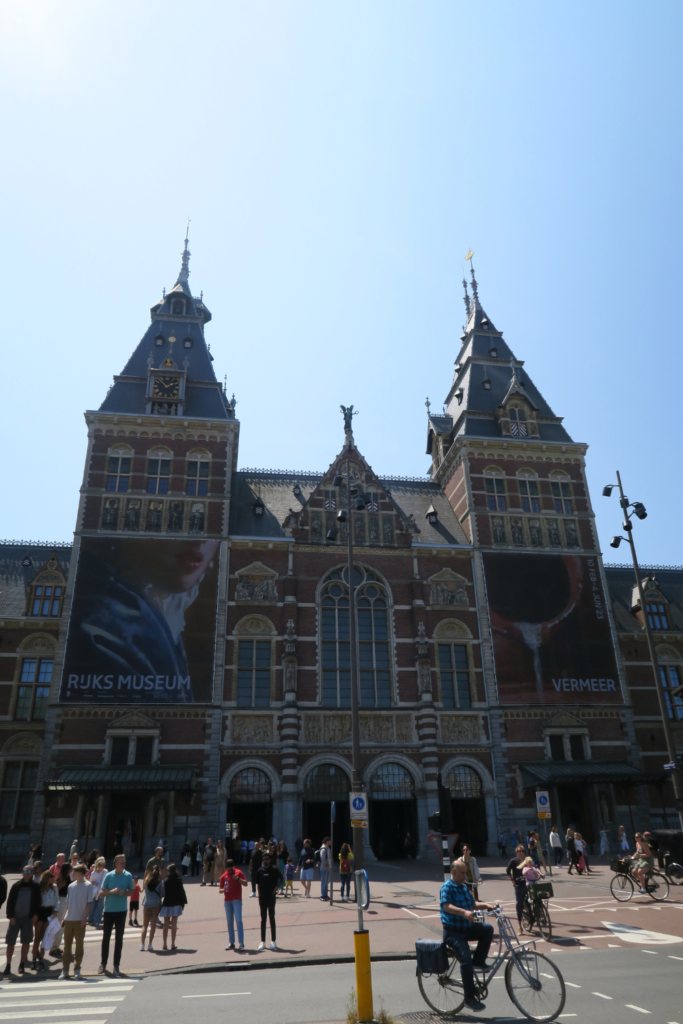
<point x="119" y="463"/>
<point x="452" y="641"/>
<point x="392" y="781"/>
<point x="250" y="785"/>
<point x="494" y="486"/>
<point x="327" y="782"/>
<point x="527" y="481"/>
<point x="254" y="662"/>
<point x="374" y="646"/>
<point x="35" y="675"/>
<point x="158" y="470"/>
<point x="463" y="783"/>
<point x="47" y="593"/>
<point x="197" y="474"/>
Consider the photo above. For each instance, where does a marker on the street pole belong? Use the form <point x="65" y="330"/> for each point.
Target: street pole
<point x="356" y="777"/>
<point x="670" y="745"/>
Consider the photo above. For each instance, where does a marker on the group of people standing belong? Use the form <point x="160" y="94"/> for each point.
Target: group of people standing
<point x="51" y="907"/>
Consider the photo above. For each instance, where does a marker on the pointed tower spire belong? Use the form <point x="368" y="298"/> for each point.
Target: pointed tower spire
<point x="466" y="299"/>
<point x="184" y="275"/>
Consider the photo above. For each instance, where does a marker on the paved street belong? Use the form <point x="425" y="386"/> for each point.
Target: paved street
<point x="633" y="970"/>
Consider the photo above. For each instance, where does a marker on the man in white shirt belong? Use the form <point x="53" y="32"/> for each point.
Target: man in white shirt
<point x="325" y="864"/>
<point x="556" y="845"/>
<point x="79" y="899"/>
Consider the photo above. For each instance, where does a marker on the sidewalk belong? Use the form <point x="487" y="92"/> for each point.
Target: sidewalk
<point x="404" y="907"/>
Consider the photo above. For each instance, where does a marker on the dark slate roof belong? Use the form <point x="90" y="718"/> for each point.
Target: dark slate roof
<point x="204" y="396"/>
<point x="16" y="577"/>
<point x="276" y="491"/>
<point x="621" y="582"/>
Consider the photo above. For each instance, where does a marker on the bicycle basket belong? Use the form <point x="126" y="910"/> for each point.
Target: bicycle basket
<point x="619" y="867"/>
<point x="542" y="890"/>
<point x="431" y="956"/>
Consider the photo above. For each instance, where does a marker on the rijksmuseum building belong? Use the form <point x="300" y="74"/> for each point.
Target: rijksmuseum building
<point x="185" y="665"/>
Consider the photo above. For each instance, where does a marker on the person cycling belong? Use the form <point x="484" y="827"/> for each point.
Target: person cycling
<point x="514" y="873"/>
<point x="643" y="860"/>
<point x="457" y="912"/>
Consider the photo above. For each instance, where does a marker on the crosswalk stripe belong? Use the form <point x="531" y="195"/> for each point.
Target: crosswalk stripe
<point x="94" y="988"/>
<point x="91" y="1000"/>
<point x="55" y="1012"/>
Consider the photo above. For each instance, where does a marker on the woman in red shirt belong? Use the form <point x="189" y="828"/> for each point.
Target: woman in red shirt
<point x="231" y="883"/>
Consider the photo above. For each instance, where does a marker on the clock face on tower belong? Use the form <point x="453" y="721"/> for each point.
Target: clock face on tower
<point x="166" y="387"/>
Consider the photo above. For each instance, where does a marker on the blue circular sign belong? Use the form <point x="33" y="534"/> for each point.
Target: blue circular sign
<point x="358" y="803"/>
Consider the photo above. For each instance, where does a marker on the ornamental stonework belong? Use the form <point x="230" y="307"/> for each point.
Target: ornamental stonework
<point x="404" y="729"/>
<point x="377" y="728"/>
<point x="447" y="589"/>
<point x="461" y="729"/>
<point x="313" y="729"/>
<point x="336" y="729"/>
<point x="252" y="729"/>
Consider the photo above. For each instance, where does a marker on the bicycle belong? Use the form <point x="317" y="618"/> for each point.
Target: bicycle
<point x="672" y="869"/>
<point x="535" y="909"/>
<point x="533" y="982"/>
<point x="623" y="884"/>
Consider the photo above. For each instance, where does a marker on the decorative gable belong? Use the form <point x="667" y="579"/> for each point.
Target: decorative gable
<point x="256" y="582"/>
<point x="448" y="589"/>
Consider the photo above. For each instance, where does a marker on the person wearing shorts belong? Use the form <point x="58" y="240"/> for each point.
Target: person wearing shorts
<point x="23" y="907"/>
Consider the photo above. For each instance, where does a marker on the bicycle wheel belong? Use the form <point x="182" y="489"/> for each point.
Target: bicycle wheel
<point x="621" y="888"/>
<point x="674" y="872"/>
<point x="535" y="985"/>
<point x="543" y="920"/>
<point x="442" y="992"/>
<point x="658" y="886"/>
<point x="528" y="918"/>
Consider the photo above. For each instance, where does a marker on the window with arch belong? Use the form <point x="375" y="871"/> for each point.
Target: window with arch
<point x="671" y="679"/>
<point x="463" y="782"/>
<point x="47" y="595"/>
<point x="452" y="641"/>
<point x="561" y="490"/>
<point x="527" y="481"/>
<point x="518" y="421"/>
<point x="250" y="785"/>
<point x="33" y="692"/>
<point x="119" y="465"/>
<point x="327" y="782"/>
<point x="158" y="471"/>
<point x="392" y="781"/>
<point x="254" y="663"/>
<point x="494" y="486"/>
<point x="197" y="474"/>
<point x="373" y="636"/>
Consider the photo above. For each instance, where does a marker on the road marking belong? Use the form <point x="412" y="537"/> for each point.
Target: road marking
<point x="601" y="995"/>
<point x="216" y="995"/>
<point x="87" y="989"/>
<point x="631" y="933"/>
<point x="672" y="957"/>
<point x="91" y="1001"/>
<point x="55" y="1012"/>
<point x="650" y="952"/>
<point x="639" y="1009"/>
<point x="572" y="984"/>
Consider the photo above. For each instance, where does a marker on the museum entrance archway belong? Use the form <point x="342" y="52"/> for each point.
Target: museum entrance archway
<point x="250" y="804"/>
<point x="393" y="810"/>
<point x="468" y="807"/>
<point x="326" y="783"/>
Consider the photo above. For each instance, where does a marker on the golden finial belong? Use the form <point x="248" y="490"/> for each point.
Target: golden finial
<point x="468" y="255"/>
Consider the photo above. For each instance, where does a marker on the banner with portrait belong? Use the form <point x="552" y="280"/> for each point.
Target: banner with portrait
<point x="142" y="623"/>
<point x="551" y="637"/>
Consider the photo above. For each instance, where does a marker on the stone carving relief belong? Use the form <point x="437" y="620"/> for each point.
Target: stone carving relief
<point x="336" y="728"/>
<point x="424" y="677"/>
<point x="23" y="744"/>
<point x="38" y="643"/>
<point x="404" y="728"/>
<point x="256" y="582"/>
<point x="252" y="729"/>
<point x="461" y="729"/>
<point x="448" y="589"/>
<point x="377" y="728"/>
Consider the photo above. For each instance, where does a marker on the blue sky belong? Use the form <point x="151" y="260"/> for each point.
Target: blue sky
<point x="337" y="160"/>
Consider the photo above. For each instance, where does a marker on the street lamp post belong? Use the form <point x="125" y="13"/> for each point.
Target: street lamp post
<point x="638" y="509"/>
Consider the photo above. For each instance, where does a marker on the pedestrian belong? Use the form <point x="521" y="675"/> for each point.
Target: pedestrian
<point x="59" y="860"/>
<point x="78" y="900"/>
<point x="473" y="872"/>
<point x="134" y="904"/>
<point x="208" y="857"/>
<point x="267" y="884"/>
<point x="23" y="906"/>
<point x="604" y="843"/>
<point x="198" y="858"/>
<point x="62" y="881"/>
<point x="502" y="844"/>
<point x="290" y="873"/>
<point x="556" y="845"/>
<point x="514" y="873"/>
<point x="345" y="871"/>
<point x="97" y="875"/>
<point x="231" y="883"/>
<point x="622" y="840"/>
<point x="582" y="851"/>
<point x="74" y="849"/>
<point x="185" y="858"/>
<point x="572" y="851"/>
<point x="325" y="865"/>
<point x="116" y="890"/>
<point x="157" y="860"/>
<point x="457" y="906"/>
<point x="219" y="861"/>
<point x="306" y="866"/>
<point x="255" y="864"/>
<point x="173" y="904"/>
<point x="48" y="906"/>
<point x="281" y="856"/>
<point x="152" y="895"/>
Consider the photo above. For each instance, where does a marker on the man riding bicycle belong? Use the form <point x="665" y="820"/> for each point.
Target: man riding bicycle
<point x="457" y="917"/>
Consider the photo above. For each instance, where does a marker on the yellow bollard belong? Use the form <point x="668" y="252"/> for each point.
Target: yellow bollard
<point x="361" y="948"/>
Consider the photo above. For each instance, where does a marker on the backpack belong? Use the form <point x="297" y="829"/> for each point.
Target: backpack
<point x="344" y="866"/>
<point x="317" y="856"/>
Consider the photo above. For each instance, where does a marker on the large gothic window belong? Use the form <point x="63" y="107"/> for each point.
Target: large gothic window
<point x="452" y="641"/>
<point x="197" y="474"/>
<point x="528" y="491"/>
<point x="374" y="644"/>
<point x="254" y="662"/>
